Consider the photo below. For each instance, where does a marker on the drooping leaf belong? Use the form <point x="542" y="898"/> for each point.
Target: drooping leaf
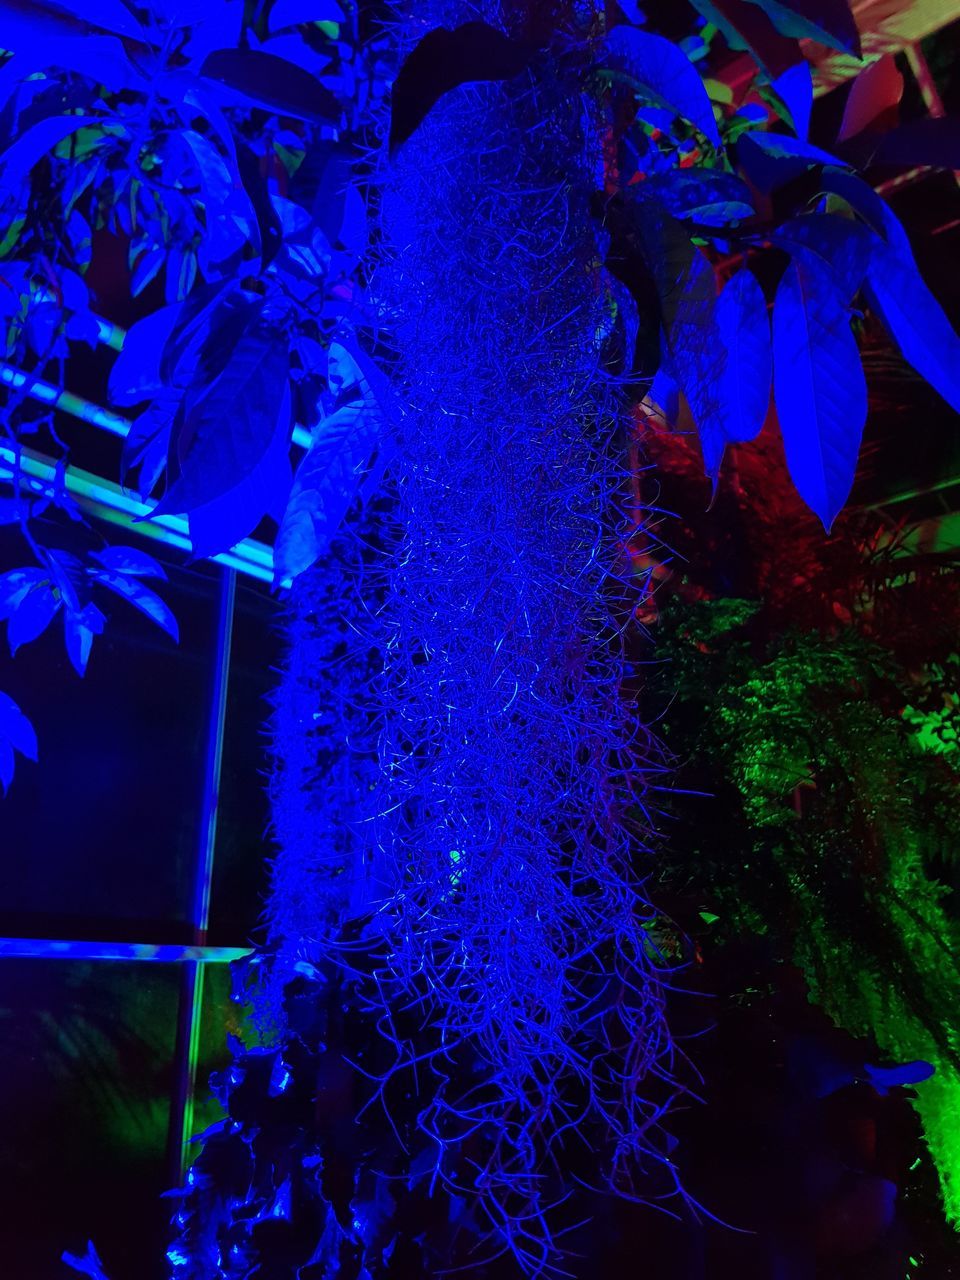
<point x="14" y="585"/>
<point x="136" y="375"/>
<point x="795" y="89"/>
<point x="828" y="241"/>
<point x="146" y="446"/>
<point x="79" y="629"/>
<point x="32" y="615"/>
<point x="830" y="22"/>
<point x="874" y="97"/>
<point x="444" y="59"/>
<point x="16" y="729"/>
<point x="39" y="140"/>
<point x="820" y="390"/>
<point x="324" y="487"/>
<point x="250" y="77"/>
<point x="229" y="427"/>
<point x="914" y="319"/>
<point x="744" y="327"/>
<point x="710" y="197"/>
<point x="770" y="160"/>
<point x="141" y="597"/>
<point x="129" y="560"/>
<point x="267" y="222"/>
<point x="660" y="71"/>
<point x="875" y="211"/>
<point x="221" y="524"/>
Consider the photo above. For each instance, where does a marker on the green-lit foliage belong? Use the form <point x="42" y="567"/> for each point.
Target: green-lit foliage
<point x="838" y="770"/>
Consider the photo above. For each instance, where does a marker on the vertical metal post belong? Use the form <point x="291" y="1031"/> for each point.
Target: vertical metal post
<point x="191" y="979"/>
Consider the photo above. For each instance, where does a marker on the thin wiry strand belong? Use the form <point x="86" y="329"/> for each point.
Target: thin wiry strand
<point x="470" y="776"/>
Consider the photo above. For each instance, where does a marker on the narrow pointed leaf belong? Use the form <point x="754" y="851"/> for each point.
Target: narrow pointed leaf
<point x="324" y="487"/>
<point x="914" y="320"/>
<point x="795" y="88"/>
<point x="744" y="327"/>
<point x="16" y="729"/>
<point x="32" y="616"/>
<point x="820" y="390"/>
<point x="141" y="597"/>
<point x="129" y="560"/>
<point x="662" y="72"/>
<point x="830" y="22"/>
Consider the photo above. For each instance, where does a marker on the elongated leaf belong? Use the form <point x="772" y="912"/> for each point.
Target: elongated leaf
<point x="32" y="616"/>
<point x="39" y="140"/>
<point x="146" y="447"/>
<point x="795" y="88"/>
<point x="129" y="560"/>
<point x="875" y="211"/>
<point x="442" y="61"/>
<point x="772" y="159"/>
<point x="79" y="630"/>
<point x="830" y="22"/>
<point x="16" y="729"/>
<point x="14" y="585"/>
<point x="324" y="487"/>
<point x="136" y="375"/>
<point x="250" y="77"/>
<point x="228" y="430"/>
<point x="660" y="71"/>
<point x="874" y="96"/>
<point x="744" y="328"/>
<point x="141" y="597"/>
<point x="221" y="524"/>
<point x="828" y="241"/>
<point x="821" y="393"/>
<point x="914" y="320"/>
<point x="708" y="196"/>
<point x="744" y="26"/>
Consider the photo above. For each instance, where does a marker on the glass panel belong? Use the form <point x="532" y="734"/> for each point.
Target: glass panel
<point x="100" y="836"/>
<point x="84" y="1107"/>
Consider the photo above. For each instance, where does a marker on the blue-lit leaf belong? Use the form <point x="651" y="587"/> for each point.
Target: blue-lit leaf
<point x="830" y="22"/>
<point x="661" y="72"/>
<point x="875" y="211"/>
<point x="290" y="13"/>
<point x="129" y="560"/>
<point x="229" y="427"/>
<point x="16" y="729"/>
<point x="827" y="240"/>
<point x="251" y="78"/>
<point x="914" y="320"/>
<point x="216" y="526"/>
<point x="324" y="487"/>
<point x="89" y="1265"/>
<point x="215" y="180"/>
<point x="79" y="629"/>
<point x="665" y="394"/>
<point x="149" y="260"/>
<point x="101" y="59"/>
<point x="772" y="159"/>
<point x="32" y="615"/>
<point x="744" y="328"/>
<point x="14" y="585"/>
<point x="136" y="375"/>
<point x="709" y="196"/>
<point x="38" y="141"/>
<point x="795" y="88"/>
<point x="820" y="390"/>
<point x="147" y="444"/>
<point x="141" y="597"/>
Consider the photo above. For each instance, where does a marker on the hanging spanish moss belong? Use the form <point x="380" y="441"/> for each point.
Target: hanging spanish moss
<point x="460" y="772"/>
